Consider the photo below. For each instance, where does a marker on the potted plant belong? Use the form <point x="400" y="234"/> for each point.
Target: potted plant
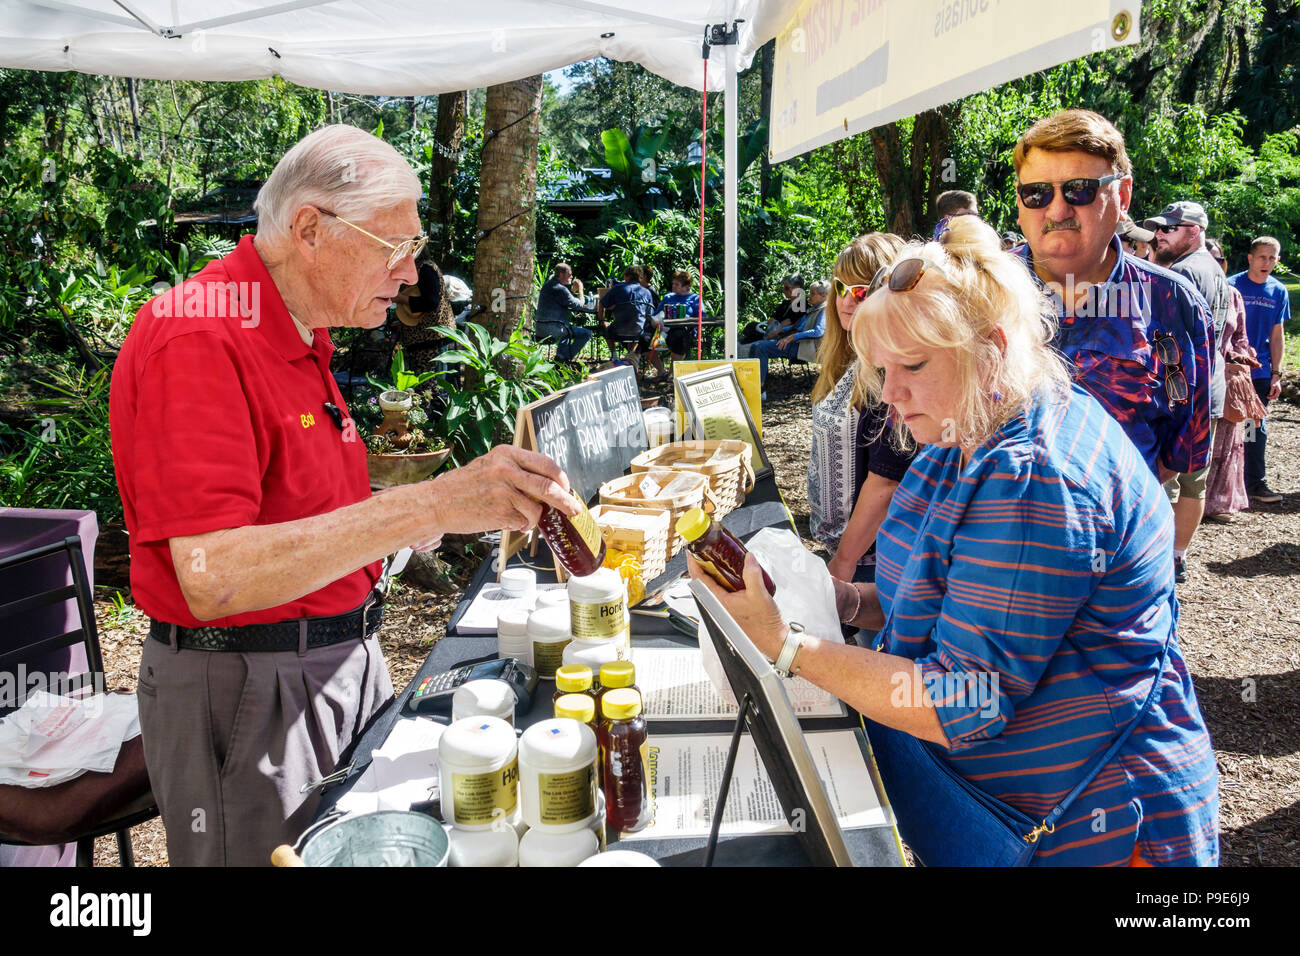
<point x="398" y="451"/>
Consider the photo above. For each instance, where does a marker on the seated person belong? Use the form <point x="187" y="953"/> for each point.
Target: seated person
<point x="813" y="326"/>
<point x="787" y="313"/>
<point x="625" y="312"/>
<point x="679" y="339"/>
<point x="551" y="321"/>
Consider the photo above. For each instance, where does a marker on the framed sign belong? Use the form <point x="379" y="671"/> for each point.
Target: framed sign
<point x="751" y="385"/>
<point x="715" y="408"/>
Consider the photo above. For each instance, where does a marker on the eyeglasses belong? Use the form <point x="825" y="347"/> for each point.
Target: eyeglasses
<point x="1077" y="192"/>
<point x="1167" y="351"/>
<point x="407" y="247"/>
<point x="1173" y="227"/>
<point x="903" y="275"/>
<point x="859" y="292"/>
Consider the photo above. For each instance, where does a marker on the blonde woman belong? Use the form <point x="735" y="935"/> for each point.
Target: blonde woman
<point x="1027" y="664"/>
<point x="854" y="468"/>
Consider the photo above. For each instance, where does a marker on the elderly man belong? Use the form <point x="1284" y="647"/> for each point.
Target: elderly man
<point x="1178" y="244"/>
<point x="256" y="544"/>
<point x="554" y="303"/>
<point x="1138" y="335"/>
<point x="811" y="326"/>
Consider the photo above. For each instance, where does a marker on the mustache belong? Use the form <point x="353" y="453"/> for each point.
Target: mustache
<point x="1051" y="226"/>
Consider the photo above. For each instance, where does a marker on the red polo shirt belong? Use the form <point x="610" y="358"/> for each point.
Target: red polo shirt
<point x="218" y="421"/>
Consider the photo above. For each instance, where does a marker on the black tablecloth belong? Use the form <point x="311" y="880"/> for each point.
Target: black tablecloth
<point x="877" y="846"/>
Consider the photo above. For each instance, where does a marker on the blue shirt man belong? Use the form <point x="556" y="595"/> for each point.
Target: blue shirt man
<point x="551" y="321"/>
<point x="1267" y="306"/>
<point x="812" y="326"/>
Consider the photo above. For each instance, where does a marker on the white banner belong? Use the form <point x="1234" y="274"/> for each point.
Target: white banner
<point x="845" y="66"/>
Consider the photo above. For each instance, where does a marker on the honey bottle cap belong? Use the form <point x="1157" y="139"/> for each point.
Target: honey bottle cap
<point x="617" y="674"/>
<point x="693" y="524"/>
<point x="621" y="704"/>
<point x="573" y="678"/>
<point x="579" y="707"/>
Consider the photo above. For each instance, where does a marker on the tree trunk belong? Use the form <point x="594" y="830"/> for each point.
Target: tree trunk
<point x="507" y="205"/>
<point x="765" y="113"/>
<point x="447" y="140"/>
<point x="135" y="114"/>
<point x="887" y="148"/>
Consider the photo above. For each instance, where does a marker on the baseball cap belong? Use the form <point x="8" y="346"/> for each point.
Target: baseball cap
<point x="1178" y="212"/>
<point x="1130" y="231"/>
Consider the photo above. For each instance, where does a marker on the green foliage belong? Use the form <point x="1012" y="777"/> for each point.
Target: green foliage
<point x="495" y="381"/>
<point x="65" y="461"/>
<point x="399" y="379"/>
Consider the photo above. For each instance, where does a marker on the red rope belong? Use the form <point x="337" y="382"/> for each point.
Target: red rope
<point x="704" y="156"/>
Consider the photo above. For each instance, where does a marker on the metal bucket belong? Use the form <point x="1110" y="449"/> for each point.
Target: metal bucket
<point x="383" y="838"/>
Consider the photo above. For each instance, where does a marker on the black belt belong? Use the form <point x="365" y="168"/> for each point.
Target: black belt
<point x="298" y="635"/>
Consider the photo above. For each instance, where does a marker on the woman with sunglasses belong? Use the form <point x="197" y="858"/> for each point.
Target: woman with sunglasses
<point x="1024" y="591"/>
<point x="854" y="467"/>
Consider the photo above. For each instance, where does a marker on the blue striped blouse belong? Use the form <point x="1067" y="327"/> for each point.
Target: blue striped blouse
<point x="1035" y="589"/>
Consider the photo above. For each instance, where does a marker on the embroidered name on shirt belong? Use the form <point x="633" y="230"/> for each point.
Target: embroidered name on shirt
<point x="307" y="419"/>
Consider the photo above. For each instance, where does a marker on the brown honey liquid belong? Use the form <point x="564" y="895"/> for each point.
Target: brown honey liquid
<point x="575" y="542"/>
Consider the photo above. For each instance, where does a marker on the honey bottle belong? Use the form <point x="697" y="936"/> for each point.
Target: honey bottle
<point x="718" y="551"/>
<point x="575" y="542"/>
<point x="624" y="760"/>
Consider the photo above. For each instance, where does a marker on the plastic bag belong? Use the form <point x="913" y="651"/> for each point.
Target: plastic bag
<point x="804" y="593"/>
<point x="51" y="739"/>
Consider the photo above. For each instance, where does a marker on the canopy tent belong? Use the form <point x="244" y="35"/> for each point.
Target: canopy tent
<point x="398" y="48"/>
<point x="842" y="65"/>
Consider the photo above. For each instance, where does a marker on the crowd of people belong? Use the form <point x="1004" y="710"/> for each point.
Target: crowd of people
<point x="629" y="313"/>
<point x="1014" y="439"/>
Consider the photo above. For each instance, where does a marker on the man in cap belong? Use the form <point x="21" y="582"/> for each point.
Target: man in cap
<point x="1179" y="245"/>
<point x="1135" y="239"/>
<point x="1137" y="335"/>
<point x="256" y="544"/>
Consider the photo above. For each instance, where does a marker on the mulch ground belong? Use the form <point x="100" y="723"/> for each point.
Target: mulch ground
<point x="1239" y="631"/>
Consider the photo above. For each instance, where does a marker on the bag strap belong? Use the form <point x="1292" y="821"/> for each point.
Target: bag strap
<point x="1049" y="822"/>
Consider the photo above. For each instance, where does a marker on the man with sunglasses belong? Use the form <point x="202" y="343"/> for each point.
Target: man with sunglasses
<point x="1137" y="335"/>
<point x="1178" y="244"/>
<point x="256" y="544"/>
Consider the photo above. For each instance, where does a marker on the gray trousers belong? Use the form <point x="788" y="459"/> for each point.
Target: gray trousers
<point x="229" y="738"/>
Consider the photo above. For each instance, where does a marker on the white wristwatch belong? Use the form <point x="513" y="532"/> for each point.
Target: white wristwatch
<point x="794" y="640"/>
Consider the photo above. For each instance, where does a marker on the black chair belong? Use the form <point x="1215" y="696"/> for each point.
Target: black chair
<point x="93" y="804"/>
<point x="627" y="326"/>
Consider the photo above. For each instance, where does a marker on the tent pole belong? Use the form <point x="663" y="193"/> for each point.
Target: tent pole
<point x="730" y="161"/>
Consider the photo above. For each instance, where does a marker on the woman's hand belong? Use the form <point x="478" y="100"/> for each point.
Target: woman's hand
<point x="753" y="608"/>
<point x="841" y="569"/>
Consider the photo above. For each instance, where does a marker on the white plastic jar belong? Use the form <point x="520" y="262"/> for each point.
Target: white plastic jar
<point x="540" y="848"/>
<point x="598" y="605"/>
<point x="593" y="653"/>
<point x="478" y="767"/>
<point x="483" y="698"/>
<point x="620" y="858"/>
<point x="556" y="775"/>
<point x="519" y="582"/>
<point x="552" y="597"/>
<point x="548" y="633"/>
<point x="512" y="635"/>
<point x="498" y="847"/>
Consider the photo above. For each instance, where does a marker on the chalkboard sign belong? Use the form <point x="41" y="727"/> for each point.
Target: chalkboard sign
<point x="592" y="430"/>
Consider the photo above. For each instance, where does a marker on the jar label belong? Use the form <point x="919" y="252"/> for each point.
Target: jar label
<point x="566" y="797"/>
<point x="597" y="621"/>
<point x="586" y="526"/>
<point x="476" y="797"/>
<point x="547" y="657"/>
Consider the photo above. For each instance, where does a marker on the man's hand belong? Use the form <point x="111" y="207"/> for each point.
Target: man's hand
<point x="1275" y="388"/>
<point x="785" y="342"/>
<point x="500" y="490"/>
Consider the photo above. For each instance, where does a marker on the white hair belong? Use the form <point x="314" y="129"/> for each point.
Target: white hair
<point x="344" y="170"/>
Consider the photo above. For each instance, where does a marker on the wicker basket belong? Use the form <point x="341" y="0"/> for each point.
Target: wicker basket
<point x="650" y="546"/>
<point x="726" y="464"/>
<point x="625" y="491"/>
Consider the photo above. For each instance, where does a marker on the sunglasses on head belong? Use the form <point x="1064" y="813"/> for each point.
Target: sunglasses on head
<point x="859" y="292"/>
<point x="903" y="275"/>
<point x="1076" y="192"/>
